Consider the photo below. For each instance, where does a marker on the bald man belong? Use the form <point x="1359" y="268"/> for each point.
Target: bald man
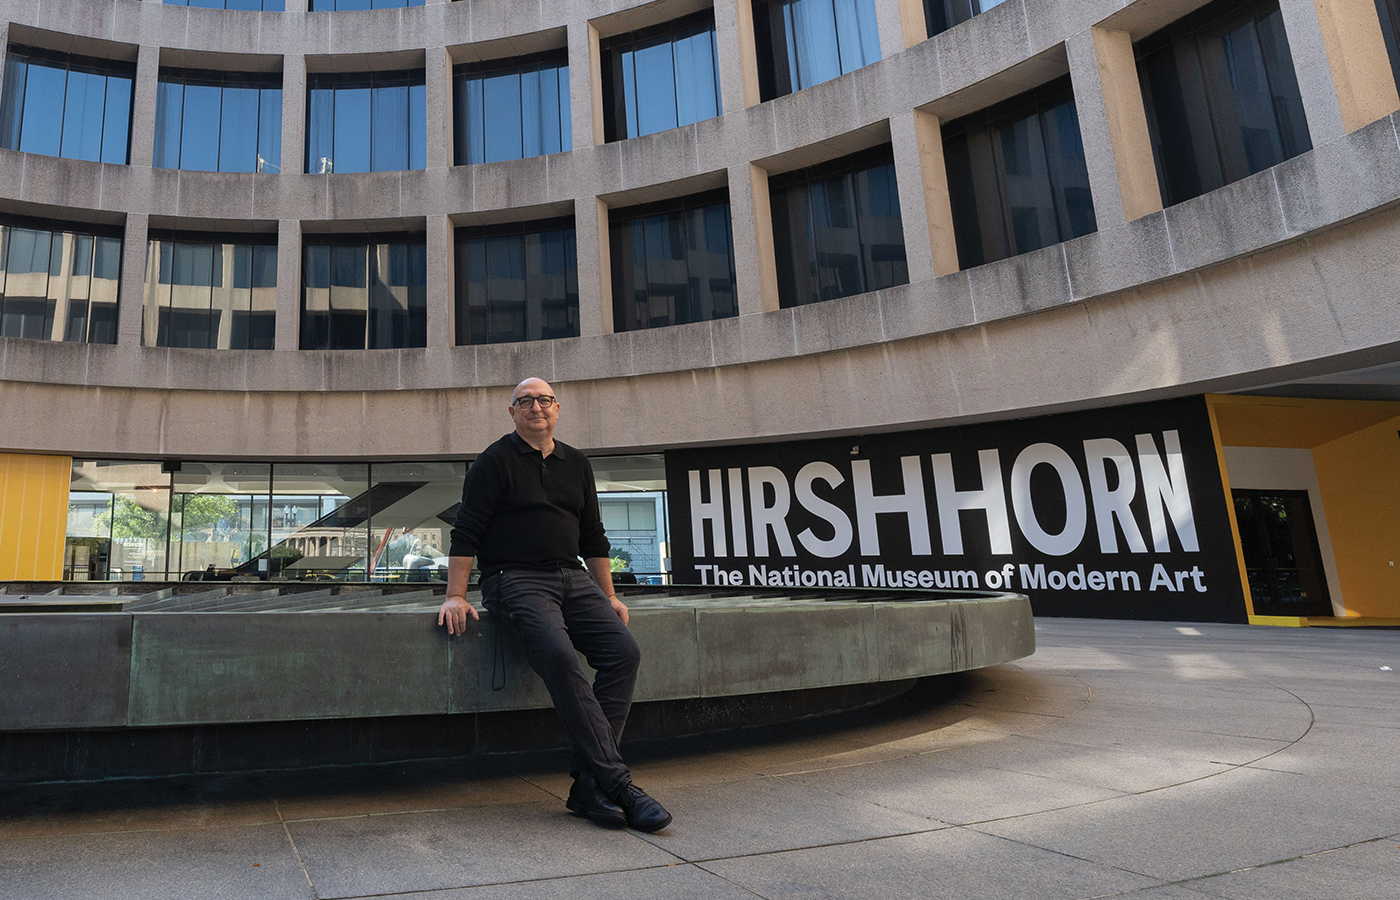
<point x="529" y="513"/>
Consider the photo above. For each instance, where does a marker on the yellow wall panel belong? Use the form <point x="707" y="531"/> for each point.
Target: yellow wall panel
<point x="33" y="515"/>
<point x="1359" y="476"/>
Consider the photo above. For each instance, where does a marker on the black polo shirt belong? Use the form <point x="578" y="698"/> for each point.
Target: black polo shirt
<point x="523" y="510"/>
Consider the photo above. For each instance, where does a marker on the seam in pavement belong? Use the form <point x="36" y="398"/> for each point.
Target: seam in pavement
<point x="295" y="851"/>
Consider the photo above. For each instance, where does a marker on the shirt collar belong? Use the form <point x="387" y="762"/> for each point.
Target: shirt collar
<point x="523" y="448"/>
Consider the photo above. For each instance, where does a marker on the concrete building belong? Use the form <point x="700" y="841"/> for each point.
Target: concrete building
<point x="1094" y="300"/>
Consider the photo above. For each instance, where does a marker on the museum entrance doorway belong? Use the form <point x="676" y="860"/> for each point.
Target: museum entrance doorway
<point x="1281" y="555"/>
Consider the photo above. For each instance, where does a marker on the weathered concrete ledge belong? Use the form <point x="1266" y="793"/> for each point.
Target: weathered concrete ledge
<point x="256" y="655"/>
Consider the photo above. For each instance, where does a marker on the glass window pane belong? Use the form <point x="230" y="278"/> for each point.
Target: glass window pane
<point x="199" y="141"/>
<point x="320" y="131"/>
<point x="696" y="95"/>
<point x="170" y="108"/>
<point x="530" y="114"/>
<point x="473" y="123"/>
<point x="238" y="130"/>
<point x="816" y="52"/>
<point x="566" y="126"/>
<point x="389" y="127"/>
<point x="12" y="101"/>
<point x="116" y="122"/>
<point x="352" y="130"/>
<point x="269" y="130"/>
<point x="42" y="131"/>
<point x="502" y="106"/>
<point x="656" y="88"/>
<point x="84" y="103"/>
<point x="315" y="298"/>
<point x="417" y="126"/>
<point x="349" y="297"/>
<point x="262" y="311"/>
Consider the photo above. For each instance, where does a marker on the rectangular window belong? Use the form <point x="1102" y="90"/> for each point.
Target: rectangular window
<point x="59" y="282"/>
<point x="1016" y="176"/>
<point x="210" y="291"/>
<point x="660" y="78"/>
<point x="364" y="295"/>
<point x="673" y="262"/>
<point x="517" y="283"/>
<point x="218" y="121"/>
<point x="347" y="5"/>
<point x="1221" y="95"/>
<point x="375" y="122"/>
<point x="805" y="42"/>
<point x="837" y="230"/>
<point x="511" y="109"/>
<point x="61" y="104"/>
<point x="254" y="5"/>
<point x="940" y="15"/>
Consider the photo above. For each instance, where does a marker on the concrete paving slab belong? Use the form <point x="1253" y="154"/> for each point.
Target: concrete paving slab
<point x="951" y="864"/>
<point x="361" y="791"/>
<point x="1360" y="752"/>
<point x="209" y="863"/>
<point x="950" y="787"/>
<point x="769" y="814"/>
<point x="674" y="882"/>
<point x="1246" y="817"/>
<point x="389" y="854"/>
<point x="1362" y="872"/>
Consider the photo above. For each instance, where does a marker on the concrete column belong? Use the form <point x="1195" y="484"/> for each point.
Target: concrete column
<point x="442" y="288"/>
<point x="143" y="106"/>
<point x="924" y="205"/>
<point x="912" y="22"/>
<point x="439" y="105"/>
<point x="595" y="307"/>
<point x="585" y="85"/>
<point x="1120" y="95"/>
<point x="293" y="114"/>
<point x="1309" y="52"/>
<point x="751" y="214"/>
<point x="1357" y="58"/>
<point x="887" y="20"/>
<point x="1094" y="130"/>
<point x="131" y="292"/>
<point x="738" y="56"/>
<point x="288" y="335"/>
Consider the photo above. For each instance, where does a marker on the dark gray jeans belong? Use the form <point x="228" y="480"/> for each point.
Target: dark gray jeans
<point x="557" y="614"/>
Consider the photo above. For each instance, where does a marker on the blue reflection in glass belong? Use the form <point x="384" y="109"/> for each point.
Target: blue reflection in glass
<point x="199" y="132"/>
<point x="654" y="82"/>
<point x="84" y="102"/>
<point x="389" y="108"/>
<point x="806" y="42"/>
<point x="116" y="121"/>
<point x="42" y="130"/>
<point x="270" y="130"/>
<point x="170" y="107"/>
<point x="352" y="130"/>
<point x="238" y="130"/>
<point x="511" y="109"/>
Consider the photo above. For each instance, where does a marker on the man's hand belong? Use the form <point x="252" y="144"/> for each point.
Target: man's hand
<point x="619" y="607"/>
<point x="454" y="613"/>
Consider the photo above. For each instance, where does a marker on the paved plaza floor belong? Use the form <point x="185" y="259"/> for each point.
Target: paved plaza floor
<point x="1150" y="760"/>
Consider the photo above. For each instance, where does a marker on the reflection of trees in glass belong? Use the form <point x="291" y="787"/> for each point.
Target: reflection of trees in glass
<point x="207" y="511"/>
<point x="130" y="520"/>
<point x="620" y="560"/>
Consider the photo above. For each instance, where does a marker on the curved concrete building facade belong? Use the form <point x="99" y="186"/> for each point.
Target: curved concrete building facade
<point x="1278" y="281"/>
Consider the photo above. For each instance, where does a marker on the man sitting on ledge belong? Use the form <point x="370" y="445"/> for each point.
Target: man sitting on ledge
<point x="529" y="512"/>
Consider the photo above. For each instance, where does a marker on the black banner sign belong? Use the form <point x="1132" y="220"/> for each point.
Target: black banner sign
<point x="1114" y="513"/>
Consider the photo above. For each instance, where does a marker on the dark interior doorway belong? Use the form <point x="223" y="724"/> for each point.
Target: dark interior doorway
<point x="1281" y="554"/>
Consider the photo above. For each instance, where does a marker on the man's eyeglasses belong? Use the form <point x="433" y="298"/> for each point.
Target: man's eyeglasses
<point x="544" y="401"/>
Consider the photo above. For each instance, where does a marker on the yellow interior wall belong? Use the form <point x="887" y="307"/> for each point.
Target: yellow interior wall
<point x="1359" y="476"/>
<point x="33" y="515"/>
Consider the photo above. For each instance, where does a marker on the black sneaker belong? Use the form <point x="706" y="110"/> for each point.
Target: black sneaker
<point x="643" y="812"/>
<point x="588" y="800"/>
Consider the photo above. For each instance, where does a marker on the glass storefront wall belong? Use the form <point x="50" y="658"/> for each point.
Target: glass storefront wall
<point x="805" y="42"/>
<point x="373" y="122"/>
<point x="1221" y="95"/>
<point x="218" y="121"/>
<point x="212" y="294"/>
<point x="837" y="229"/>
<point x="511" y="109"/>
<point x="517" y="282"/>
<point x="58" y="283"/>
<point x="62" y="104"/>
<point x="1017" y="177"/>
<point x="673" y="262"/>
<point x="333" y="521"/>
<point x="660" y="78"/>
